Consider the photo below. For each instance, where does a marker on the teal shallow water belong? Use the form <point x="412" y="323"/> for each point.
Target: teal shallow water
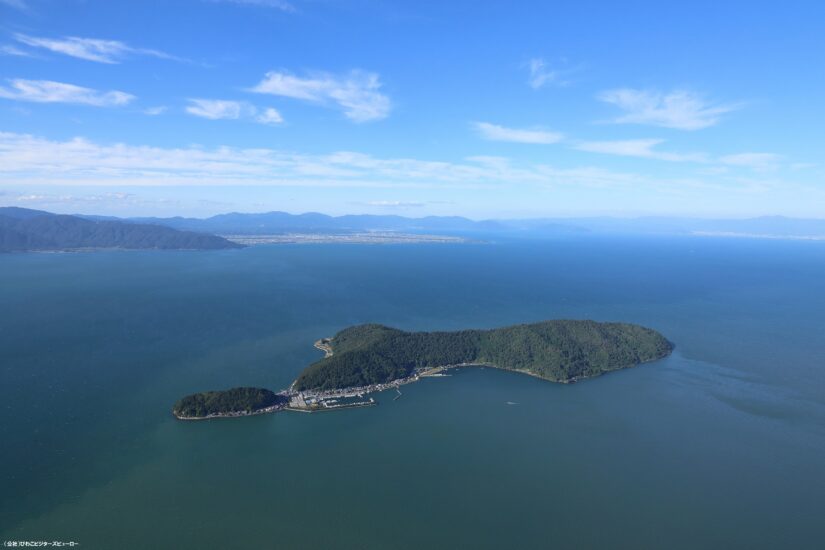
<point x="720" y="445"/>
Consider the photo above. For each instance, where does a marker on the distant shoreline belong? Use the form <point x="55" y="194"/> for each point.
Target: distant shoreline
<point x="238" y="414"/>
<point x="377" y="237"/>
<point x="764" y="236"/>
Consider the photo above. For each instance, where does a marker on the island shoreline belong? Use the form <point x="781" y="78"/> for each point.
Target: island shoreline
<point x="568" y="362"/>
<point x="433" y="372"/>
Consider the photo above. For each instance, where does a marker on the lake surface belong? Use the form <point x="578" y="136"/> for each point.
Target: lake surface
<point x="720" y="445"/>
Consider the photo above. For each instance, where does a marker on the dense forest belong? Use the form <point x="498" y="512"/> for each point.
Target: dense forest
<point x="236" y="400"/>
<point x="22" y="230"/>
<point x="560" y="351"/>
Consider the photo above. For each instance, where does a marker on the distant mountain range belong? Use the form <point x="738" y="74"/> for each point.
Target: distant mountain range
<point x="22" y="229"/>
<point x="271" y="223"/>
<point x="282" y="222"/>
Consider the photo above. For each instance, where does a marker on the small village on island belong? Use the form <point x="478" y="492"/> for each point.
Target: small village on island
<point x="320" y="400"/>
<point x="309" y="401"/>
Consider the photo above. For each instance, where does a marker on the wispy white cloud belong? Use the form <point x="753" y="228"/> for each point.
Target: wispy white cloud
<point x="26" y="159"/>
<point x="277" y="4"/>
<point x="760" y="162"/>
<point x="643" y="148"/>
<point x="541" y="74"/>
<point x="112" y="201"/>
<point x="356" y="93"/>
<point x="90" y="49"/>
<point x="682" y="110"/>
<point x="395" y="204"/>
<point x="270" y="116"/>
<point x="29" y="162"/>
<point x="9" y="49"/>
<point x="72" y="199"/>
<point x="48" y="91"/>
<point x="155" y="111"/>
<point x="647" y="148"/>
<point x="493" y="132"/>
<point x="217" y="109"/>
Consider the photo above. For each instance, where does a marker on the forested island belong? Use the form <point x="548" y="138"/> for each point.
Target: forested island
<point x="560" y="351"/>
<point x="367" y="358"/>
<point x="233" y="402"/>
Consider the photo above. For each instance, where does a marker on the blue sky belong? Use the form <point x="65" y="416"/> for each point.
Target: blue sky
<point x="482" y="109"/>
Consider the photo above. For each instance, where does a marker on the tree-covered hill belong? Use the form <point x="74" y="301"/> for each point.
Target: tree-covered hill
<point x="22" y="229"/>
<point x="560" y="351"/>
<point x="236" y="400"/>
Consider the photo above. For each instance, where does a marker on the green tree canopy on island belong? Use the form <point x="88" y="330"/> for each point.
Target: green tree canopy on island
<point x="560" y="351"/>
<point x="235" y="400"/>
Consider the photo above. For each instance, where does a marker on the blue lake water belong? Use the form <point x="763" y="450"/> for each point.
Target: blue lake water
<point x="720" y="445"/>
